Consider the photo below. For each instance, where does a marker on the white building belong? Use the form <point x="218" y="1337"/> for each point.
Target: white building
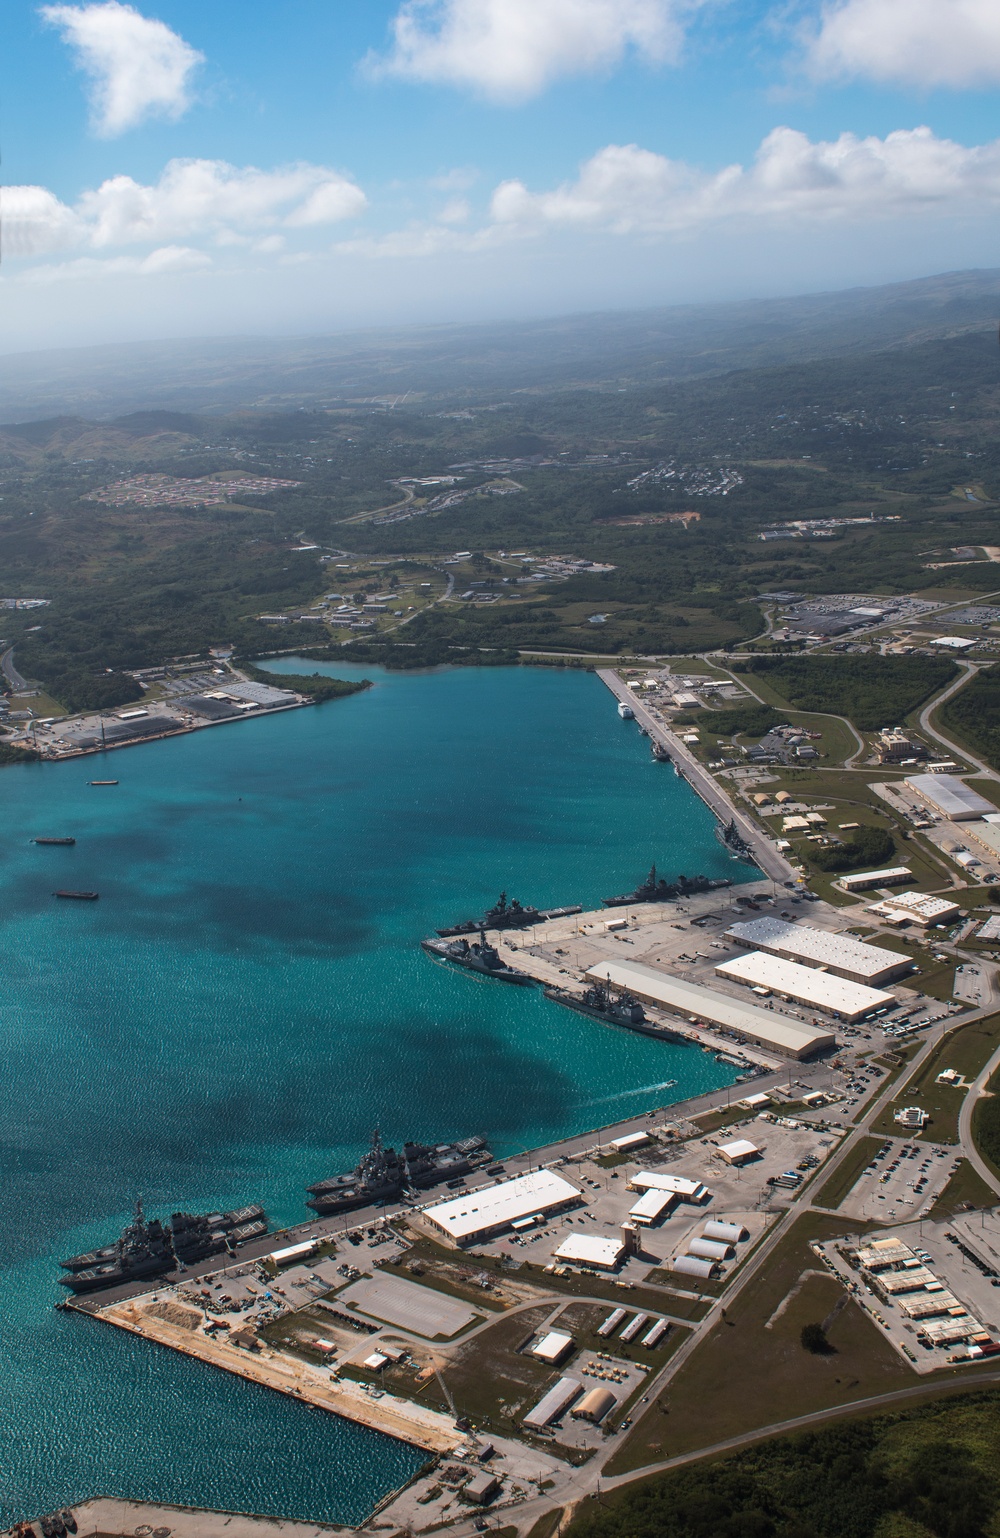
<point x="866" y="880"/>
<point x="841" y="955"/>
<point x="739" y="1152"/>
<point x="675" y="1185"/>
<point x="591" y="1250"/>
<point x="553" y="1348"/>
<point x="807" y="985"/>
<point x="697" y="1004"/>
<point x="554" y="1403"/>
<point x="918" y="907"/>
<point x="950" y="797"/>
<point x="478" y="1215"/>
<point x="652" y="1207"/>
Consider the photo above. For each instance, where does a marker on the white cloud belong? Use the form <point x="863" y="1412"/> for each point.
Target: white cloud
<point x="928" y="43"/>
<point x="625" y="189"/>
<point x="137" y="66"/>
<point x="192" y="199"/>
<point x="510" y="50"/>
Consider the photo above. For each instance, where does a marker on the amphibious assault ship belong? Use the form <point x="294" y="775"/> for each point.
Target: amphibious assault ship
<point x="151" y="1248"/>
<point x="384" y="1175"/>
<point x="507" y="915"/>
<point x="477" y="956"/>
<point x="655" y="890"/>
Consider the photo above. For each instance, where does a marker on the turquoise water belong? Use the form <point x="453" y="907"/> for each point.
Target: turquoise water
<point x="248" y="998"/>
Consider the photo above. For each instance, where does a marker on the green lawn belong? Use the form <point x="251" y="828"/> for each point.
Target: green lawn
<point x="842" y="1180"/>
<point x="965" y="1189"/>
<point x="966" y="1050"/>
<point x="751" y="1370"/>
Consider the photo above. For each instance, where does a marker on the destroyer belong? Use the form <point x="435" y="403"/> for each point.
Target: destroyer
<point x="601" y="1002"/>
<point x="384" y="1175"/>
<point x="477" y="956"/>
<point x="655" y="890"/>
<point x="507" y="915"/>
<point x="151" y="1248"/>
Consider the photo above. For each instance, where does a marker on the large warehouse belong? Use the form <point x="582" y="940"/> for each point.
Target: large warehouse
<point x="951" y="797"/>
<point x="807" y="985"/>
<point x="764" y="1027"/>
<point x="841" y="955"/>
<point x="478" y="1215"/>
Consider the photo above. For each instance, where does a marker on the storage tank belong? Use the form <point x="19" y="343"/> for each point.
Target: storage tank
<point x="710" y="1249"/>
<point x="729" y="1233"/>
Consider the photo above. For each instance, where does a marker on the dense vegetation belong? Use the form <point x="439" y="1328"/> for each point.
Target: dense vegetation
<point x="974" y="713"/>
<point x="868" y="846"/>
<point x="746" y="720"/>
<point x="871" y="691"/>
<point x="986" y="1123"/>
<point x="315" y="685"/>
<point x="930" y="1471"/>
<point x="14" y="755"/>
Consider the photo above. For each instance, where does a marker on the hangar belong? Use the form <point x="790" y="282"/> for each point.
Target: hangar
<point x="807" y="985"/>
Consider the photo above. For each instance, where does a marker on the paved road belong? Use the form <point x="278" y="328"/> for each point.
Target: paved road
<point x="968" y="1147"/>
<point x="772" y="863"/>
<point x="10" y="672"/>
<point x="969" y="671"/>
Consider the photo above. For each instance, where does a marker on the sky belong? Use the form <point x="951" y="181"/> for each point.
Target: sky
<point x="175" y="169"/>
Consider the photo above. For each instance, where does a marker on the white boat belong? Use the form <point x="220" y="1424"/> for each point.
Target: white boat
<point x="625" y="711"/>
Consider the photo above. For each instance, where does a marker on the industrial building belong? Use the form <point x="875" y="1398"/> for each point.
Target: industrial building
<point x="591" y="1250"/>
<point x="677" y="1185"/>
<point x="478" y="1215"/>
<point x="806" y="985"/>
<point x="553" y="1404"/>
<point x="950" y="797"/>
<point x="691" y="1265"/>
<point x="553" y="1348"/>
<point x="730" y="1233"/>
<point x="840" y="955"/>
<point x="710" y="1249"/>
<point x="765" y="1028"/>
<point x="867" y="880"/>
<point x="917" y="908"/>
<point x="740" y="1152"/>
<point x="595" y="1405"/>
<point x="653" y="1207"/>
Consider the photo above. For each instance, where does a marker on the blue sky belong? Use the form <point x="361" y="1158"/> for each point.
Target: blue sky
<point x="189" y="169"/>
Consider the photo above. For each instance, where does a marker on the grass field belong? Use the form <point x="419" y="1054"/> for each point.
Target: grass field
<point x="966" y="1050"/>
<point x="965" y="1189"/>
<point x="751" y="1370"/>
<point x="832" y="1193"/>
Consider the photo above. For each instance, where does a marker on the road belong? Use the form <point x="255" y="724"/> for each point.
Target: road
<point x="969" y="671"/>
<point x="771" y="862"/>
<point x="10" y="672"/>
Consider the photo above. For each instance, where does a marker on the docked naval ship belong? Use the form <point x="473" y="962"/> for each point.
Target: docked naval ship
<point x="732" y="840"/>
<point x="148" y="1247"/>
<point x="477" y="956"/>
<point x="384" y="1175"/>
<point x="602" y="1003"/>
<point x="507" y="915"/>
<point x="655" y="890"/>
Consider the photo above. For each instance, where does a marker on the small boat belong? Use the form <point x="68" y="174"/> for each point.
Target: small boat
<point x="86" y="897"/>
<point x="104" y="782"/>
<point x="53" y="840"/>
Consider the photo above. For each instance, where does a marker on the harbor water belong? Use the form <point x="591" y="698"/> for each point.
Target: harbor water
<point x="248" y="999"/>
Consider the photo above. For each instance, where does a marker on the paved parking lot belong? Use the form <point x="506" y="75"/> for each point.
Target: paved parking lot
<point x="409" y="1306"/>
<point x="903" y="1181"/>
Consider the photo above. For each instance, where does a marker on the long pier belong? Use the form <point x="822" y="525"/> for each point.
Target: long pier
<point x="770" y="860"/>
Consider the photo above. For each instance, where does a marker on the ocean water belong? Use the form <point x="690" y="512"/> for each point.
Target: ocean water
<point x="248" y="998"/>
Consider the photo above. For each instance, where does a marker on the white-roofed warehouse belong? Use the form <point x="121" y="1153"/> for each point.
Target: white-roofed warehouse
<point x="766" y="1028"/>
<point x="476" y="1215"/>
<point x="807" y="985"/>
<point x="840" y="954"/>
<point x="950" y="796"/>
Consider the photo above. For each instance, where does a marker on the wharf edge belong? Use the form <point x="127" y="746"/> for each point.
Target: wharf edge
<point x="706" y="787"/>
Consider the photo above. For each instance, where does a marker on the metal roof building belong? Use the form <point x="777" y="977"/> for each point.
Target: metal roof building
<point x="710" y="1249"/>
<point x="595" y="1405"/>
<point x="591" y="1250"/>
<point x="950" y="796"/>
<point x="677" y="1185"/>
<point x="840" y="954"/>
<point x="552" y="1404"/>
<point x="690" y="1265"/>
<point x="789" y="1038"/>
<point x="489" y="1210"/>
<point x="807" y="985"/>
<point x="731" y="1233"/>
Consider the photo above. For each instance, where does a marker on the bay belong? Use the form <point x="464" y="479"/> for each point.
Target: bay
<point x="248" y="999"/>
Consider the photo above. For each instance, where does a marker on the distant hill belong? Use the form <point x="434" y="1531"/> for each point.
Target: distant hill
<point x="155" y="386"/>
